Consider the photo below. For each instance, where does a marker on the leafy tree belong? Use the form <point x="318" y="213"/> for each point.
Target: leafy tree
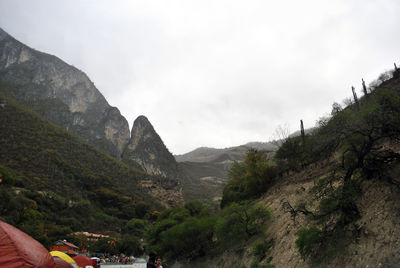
<point x="129" y="245"/>
<point x="240" y="221"/>
<point x="197" y="208"/>
<point x="290" y="154"/>
<point x="182" y="233"/>
<point x="105" y="245"/>
<point x="248" y="180"/>
<point x="136" y="227"/>
<point x="189" y="239"/>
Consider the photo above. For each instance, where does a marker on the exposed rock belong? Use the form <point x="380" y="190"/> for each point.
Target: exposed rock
<point x="65" y="95"/>
<point x="146" y="148"/>
<point x="167" y="192"/>
<point x="62" y="94"/>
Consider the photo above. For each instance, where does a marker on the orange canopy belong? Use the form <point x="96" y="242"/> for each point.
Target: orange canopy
<point x="60" y="263"/>
<point x="17" y="249"/>
<point x="83" y="261"/>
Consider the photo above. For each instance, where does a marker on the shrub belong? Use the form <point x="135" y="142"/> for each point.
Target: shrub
<point x="308" y="241"/>
<point x="248" y="180"/>
<point x="6" y="177"/>
<point x="260" y="249"/>
<point x="241" y="221"/>
<point x="136" y="227"/>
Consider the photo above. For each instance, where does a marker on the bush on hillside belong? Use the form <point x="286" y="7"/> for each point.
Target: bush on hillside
<point x="250" y="179"/>
<point x="183" y="233"/>
<point x="240" y="222"/>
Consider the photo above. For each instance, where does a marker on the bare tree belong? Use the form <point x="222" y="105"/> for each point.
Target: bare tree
<point x="281" y="134"/>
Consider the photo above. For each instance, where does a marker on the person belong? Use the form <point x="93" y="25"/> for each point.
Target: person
<point x="152" y="260"/>
<point x="158" y="263"/>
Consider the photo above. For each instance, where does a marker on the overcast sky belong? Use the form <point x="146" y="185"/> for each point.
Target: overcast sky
<point x="216" y="73"/>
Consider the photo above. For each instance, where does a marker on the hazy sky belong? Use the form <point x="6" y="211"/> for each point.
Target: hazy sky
<point x="211" y="72"/>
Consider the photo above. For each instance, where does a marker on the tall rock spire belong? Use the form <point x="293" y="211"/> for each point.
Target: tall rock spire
<point x="146" y="148"/>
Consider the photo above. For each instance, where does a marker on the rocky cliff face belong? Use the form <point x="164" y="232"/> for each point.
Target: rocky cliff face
<point x="146" y="148"/>
<point x="65" y="95"/>
<point x="62" y="94"/>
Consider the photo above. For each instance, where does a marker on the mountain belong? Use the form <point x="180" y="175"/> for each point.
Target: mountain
<point x="236" y="153"/>
<point x="204" y="171"/>
<point x="65" y="95"/>
<point x="146" y="148"/>
<point x="330" y="198"/>
<point x="62" y="94"/>
<point x="55" y="183"/>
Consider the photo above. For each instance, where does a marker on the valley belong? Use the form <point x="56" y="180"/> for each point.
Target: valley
<point x="324" y="197"/>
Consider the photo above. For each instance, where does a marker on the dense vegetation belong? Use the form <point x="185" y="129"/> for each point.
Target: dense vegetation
<point x="363" y="139"/>
<point x="195" y="230"/>
<point x="249" y="179"/>
<point x="54" y="183"/>
<point x="57" y="184"/>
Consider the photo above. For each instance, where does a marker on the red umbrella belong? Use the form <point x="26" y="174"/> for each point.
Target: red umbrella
<point x="83" y="261"/>
<point x="60" y="263"/>
<point x="17" y="249"/>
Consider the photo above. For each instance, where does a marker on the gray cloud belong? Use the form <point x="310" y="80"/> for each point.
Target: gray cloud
<point x="215" y="73"/>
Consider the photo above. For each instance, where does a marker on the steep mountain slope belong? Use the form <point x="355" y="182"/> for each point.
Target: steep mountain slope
<point x="66" y="178"/>
<point x="146" y="148"/>
<point x="378" y="241"/>
<point x="203" y="181"/>
<point x="334" y="193"/>
<point x="62" y="94"/>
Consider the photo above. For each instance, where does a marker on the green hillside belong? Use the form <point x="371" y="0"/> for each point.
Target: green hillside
<point x="203" y="181"/>
<point x="328" y="198"/>
<point x="54" y="183"/>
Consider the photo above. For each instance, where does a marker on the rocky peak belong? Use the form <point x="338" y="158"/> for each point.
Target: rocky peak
<point x="3" y="34"/>
<point x="61" y="93"/>
<point x="146" y="148"/>
<point x="65" y="95"/>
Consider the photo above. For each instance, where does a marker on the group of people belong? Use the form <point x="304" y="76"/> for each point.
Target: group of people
<point x="154" y="261"/>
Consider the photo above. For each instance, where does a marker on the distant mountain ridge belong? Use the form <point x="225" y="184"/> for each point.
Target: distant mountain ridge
<point x="65" y="95"/>
<point x="205" y="170"/>
<point x="236" y="153"/>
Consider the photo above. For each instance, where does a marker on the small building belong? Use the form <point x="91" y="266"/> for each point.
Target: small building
<point x="65" y="247"/>
<point x="91" y="236"/>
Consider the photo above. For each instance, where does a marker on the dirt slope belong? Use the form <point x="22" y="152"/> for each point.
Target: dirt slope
<point x="378" y="244"/>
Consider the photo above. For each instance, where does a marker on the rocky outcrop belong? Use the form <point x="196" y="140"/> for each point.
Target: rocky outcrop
<point x="62" y="94"/>
<point x="65" y="95"/>
<point x="146" y="148"/>
<point x="166" y="192"/>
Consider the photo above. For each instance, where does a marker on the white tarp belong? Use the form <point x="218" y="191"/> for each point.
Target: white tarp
<point x="133" y="265"/>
